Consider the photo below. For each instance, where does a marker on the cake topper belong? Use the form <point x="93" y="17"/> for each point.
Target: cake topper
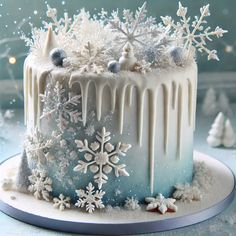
<point x="91" y="42"/>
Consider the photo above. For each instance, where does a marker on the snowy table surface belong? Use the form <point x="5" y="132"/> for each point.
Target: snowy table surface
<point x="11" y="139"/>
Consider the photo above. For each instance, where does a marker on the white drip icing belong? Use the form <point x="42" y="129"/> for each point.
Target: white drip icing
<point x="121" y="86"/>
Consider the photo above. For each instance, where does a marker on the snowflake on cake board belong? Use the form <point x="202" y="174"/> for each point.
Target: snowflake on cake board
<point x="102" y="157"/>
<point x="38" y="146"/>
<point x="161" y="204"/>
<point x="61" y="202"/>
<point x="89" y="198"/>
<point x="136" y="28"/>
<point x="131" y="204"/>
<point x="194" y="34"/>
<point x="57" y="103"/>
<point x="40" y="184"/>
<point x="187" y="193"/>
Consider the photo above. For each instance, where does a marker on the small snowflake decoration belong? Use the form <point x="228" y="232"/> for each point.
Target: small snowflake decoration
<point x="194" y="34"/>
<point x="38" y="146"/>
<point x="89" y="130"/>
<point x="102" y="157"/>
<point x="90" y="199"/>
<point x="61" y="202"/>
<point x="135" y="28"/>
<point x="40" y="184"/>
<point x="161" y="203"/>
<point x="187" y="193"/>
<point x="64" y="108"/>
<point x="132" y="204"/>
<point x="91" y="59"/>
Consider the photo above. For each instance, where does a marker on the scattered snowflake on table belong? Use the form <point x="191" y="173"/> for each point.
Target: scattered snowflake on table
<point x="61" y="202"/>
<point x="89" y="198"/>
<point x="131" y="204"/>
<point x="187" y="193"/>
<point x="102" y="157"/>
<point x="40" y="184"/>
<point x="58" y="104"/>
<point x="38" y="146"/>
<point x="161" y="204"/>
<point x="194" y="34"/>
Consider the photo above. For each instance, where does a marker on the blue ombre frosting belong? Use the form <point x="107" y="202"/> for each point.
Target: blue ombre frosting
<point x="154" y="113"/>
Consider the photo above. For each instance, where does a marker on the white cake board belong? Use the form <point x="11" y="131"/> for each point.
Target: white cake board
<point x="116" y="222"/>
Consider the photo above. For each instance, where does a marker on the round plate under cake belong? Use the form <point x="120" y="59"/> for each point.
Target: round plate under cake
<point x="119" y="221"/>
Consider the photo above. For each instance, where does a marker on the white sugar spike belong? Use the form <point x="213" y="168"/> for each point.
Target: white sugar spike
<point x="228" y="139"/>
<point x="50" y="42"/>
<point x="216" y="132"/>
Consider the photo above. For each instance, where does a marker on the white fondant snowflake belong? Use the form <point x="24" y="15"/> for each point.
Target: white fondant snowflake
<point x="61" y="202"/>
<point x="102" y="157"/>
<point x="38" y="146"/>
<point x="136" y="28"/>
<point x="161" y="203"/>
<point x="40" y="184"/>
<point x="142" y="67"/>
<point x="187" y="193"/>
<point x="91" y="59"/>
<point x="89" y="198"/>
<point x="195" y="33"/>
<point x="7" y="184"/>
<point x="132" y="204"/>
<point x="63" y="107"/>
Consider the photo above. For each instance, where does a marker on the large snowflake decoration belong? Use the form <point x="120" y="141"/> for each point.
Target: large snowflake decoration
<point x="57" y="103"/>
<point x="195" y="33"/>
<point x="38" y="146"/>
<point x="40" y="184"/>
<point x="161" y="203"/>
<point x="90" y="198"/>
<point x="136" y="28"/>
<point x="61" y="202"/>
<point x="102" y="157"/>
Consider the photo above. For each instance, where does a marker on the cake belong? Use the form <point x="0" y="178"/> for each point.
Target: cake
<point x="110" y="108"/>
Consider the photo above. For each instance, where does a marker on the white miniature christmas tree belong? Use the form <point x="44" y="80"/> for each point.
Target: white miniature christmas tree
<point x="228" y="139"/>
<point x="22" y="181"/>
<point x="210" y="106"/>
<point x="216" y="131"/>
<point x="224" y="104"/>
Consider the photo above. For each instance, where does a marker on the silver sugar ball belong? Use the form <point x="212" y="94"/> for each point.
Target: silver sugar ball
<point x="113" y="66"/>
<point x="57" y="56"/>
<point x="178" y="55"/>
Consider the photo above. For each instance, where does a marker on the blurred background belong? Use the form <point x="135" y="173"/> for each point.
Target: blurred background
<point x="15" y="17"/>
